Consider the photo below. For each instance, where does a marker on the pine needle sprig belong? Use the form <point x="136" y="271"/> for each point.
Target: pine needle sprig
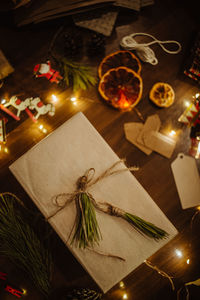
<point x="87" y="232"/>
<point x="147" y="228"/>
<point x="77" y="74"/>
<point x="20" y="244"/>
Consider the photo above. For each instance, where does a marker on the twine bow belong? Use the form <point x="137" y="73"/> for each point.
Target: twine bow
<point x="86" y="229"/>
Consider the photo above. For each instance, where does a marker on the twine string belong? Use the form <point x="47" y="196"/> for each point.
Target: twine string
<point x="84" y="183"/>
<point x="161" y="272"/>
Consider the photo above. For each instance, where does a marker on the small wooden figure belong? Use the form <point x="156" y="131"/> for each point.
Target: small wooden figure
<point x="45" y="70"/>
<point x="41" y="108"/>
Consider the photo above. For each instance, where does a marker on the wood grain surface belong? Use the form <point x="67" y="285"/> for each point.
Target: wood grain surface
<point x="25" y="47"/>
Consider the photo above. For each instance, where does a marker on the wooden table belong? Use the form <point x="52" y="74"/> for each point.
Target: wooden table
<point x="27" y="46"/>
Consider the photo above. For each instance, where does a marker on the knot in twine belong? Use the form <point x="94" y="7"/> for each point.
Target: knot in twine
<point x="84" y="183"/>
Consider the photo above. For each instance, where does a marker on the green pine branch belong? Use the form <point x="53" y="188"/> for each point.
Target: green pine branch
<point x="77" y="75"/>
<point x="20" y="244"/>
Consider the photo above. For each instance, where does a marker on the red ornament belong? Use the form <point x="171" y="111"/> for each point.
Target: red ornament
<point x="45" y="70"/>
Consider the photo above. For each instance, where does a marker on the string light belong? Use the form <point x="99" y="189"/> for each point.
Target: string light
<point x="178" y="253"/>
<point x="188" y="261"/>
<point x="73" y="99"/>
<point x="187" y="103"/>
<point x="172" y="133"/>
<point x="6" y="150"/>
<point x="41" y="127"/>
<point x="24" y="292"/>
<point x="125" y="296"/>
<point x="54" y="98"/>
<point x="3" y="101"/>
<point x="197" y="95"/>
<point x="121" y="284"/>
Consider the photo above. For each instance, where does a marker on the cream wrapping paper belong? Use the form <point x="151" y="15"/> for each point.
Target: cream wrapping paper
<point x="53" y="167"/>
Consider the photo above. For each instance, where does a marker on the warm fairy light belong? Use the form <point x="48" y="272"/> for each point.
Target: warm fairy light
<point x="44" y="130"/>
<point x="3" y="101"/>
<point x="73" y="99"/>
<point x="125" y="296"/>
<point x="198" y="207"/>
<point x="187" y="103"/>
<point x="188" y="261"/>
<point x="6" y="150"/>
<point x="198" y="151"/>
<point x="178" y="253"/>
<point x="121" y="284"/>
<point x="54" y="98"/>
<point x="24" y="291"/>
<point x="41" y="127"/>
<point x="172" y="133"/>
<point x="197" y="95"/>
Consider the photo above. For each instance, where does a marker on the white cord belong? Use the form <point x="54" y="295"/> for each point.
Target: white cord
<point x="144" y="52"/>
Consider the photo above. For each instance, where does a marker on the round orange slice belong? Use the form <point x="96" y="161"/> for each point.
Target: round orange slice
<point x="121" y="87"/>
<point x="162" y="94"/>
<point x="120" y="58"/>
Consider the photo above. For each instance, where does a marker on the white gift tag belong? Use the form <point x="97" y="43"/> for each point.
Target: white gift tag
<point x="187" y="180"/>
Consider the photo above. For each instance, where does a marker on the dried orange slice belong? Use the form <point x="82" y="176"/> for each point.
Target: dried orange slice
<point x="117" y="59"/>
<point x="121" y="87"/>
<point x="162" y="94"/>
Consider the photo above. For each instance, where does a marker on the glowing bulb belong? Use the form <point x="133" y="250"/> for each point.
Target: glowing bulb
<point x="121" y="284"/>
<point x="24" y="292"/>
<point x="54" y="98"/>
<point x="178" y="253"/>
<point x="125" y="296"/>
<point x="44" y="130"/>
<point x="187" y="103"/>
<point x="73" y="99"/>
<point x="6" y="150"/>
<point x="198" y="207"/>
<point x="188" y="261"/>
<point x="172" y="133"/>
<point x="41" y="127"/>
<point x="3" y="101"/>
<point x="197" y="95"/>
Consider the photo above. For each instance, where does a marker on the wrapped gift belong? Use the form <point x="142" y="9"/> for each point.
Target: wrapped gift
<point x="53" y="167"/>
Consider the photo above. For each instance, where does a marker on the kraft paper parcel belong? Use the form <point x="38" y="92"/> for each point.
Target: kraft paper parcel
<point x="53" y="166"/>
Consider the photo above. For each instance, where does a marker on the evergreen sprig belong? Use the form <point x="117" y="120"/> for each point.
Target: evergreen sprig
<point x="20" y="244"/>
<point x="145" y="227"/>
<point x="77" y="75"/>
<point x="87" y="232"/>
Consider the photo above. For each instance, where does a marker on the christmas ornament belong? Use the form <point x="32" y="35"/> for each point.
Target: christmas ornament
<point x="41" y="108"/>
<point x="10" y="113"/>
<point x="20" y="105"/>
<point x="162" y="94"/>
<point x="121" y="87"/>
<point x="118" y="59"/>
<point x="191" y="116"/>
<point x="87" y="232"/>
<point x="21" y="245"/>
<point x="45" y="70"/>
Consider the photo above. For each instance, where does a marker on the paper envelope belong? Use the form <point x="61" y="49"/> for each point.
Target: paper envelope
<point x="53" y="166"/>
